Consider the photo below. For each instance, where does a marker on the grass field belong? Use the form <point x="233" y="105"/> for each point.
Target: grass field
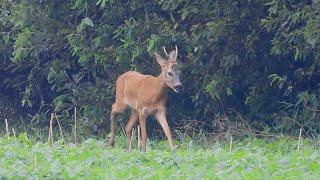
<point x="21" y="158"/>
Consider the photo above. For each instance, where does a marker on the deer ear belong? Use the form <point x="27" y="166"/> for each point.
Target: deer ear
<point x="173" y="56"/>
<point x="163" y="63"/>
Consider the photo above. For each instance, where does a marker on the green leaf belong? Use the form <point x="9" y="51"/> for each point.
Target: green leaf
<point x="6" y="37"/>
<point x="184" y="15"/>
<point x="101" y="3"/>
<point x="229" y="91"/>
<point x="87" y="21"/>
<point x="297" y="55"/>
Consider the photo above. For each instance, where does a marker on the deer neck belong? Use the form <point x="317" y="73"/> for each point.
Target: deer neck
<point x="161" y="88"/>
<point x="161" y="82"/>
<point x="159" y="91"/>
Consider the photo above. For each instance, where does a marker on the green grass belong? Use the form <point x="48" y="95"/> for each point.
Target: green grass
<point x="250" y="159"/>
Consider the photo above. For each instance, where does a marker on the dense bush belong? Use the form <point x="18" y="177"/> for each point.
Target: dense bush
<point x="254" y="58"/>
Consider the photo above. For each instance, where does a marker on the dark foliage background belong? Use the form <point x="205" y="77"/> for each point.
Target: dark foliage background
<point x="256" y="60"/>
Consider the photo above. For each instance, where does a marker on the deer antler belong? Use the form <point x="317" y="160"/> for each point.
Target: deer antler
<point x="164" y="49"/>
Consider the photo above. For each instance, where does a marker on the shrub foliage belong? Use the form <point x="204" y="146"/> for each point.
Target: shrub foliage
<point x="257" y="59"/>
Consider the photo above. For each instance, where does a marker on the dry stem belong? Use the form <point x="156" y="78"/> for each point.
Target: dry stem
<point x="139" y="140"/>
<point x="7" y="128"/>
<point x="230" y="145"/>
<point x="299" y="141"/>
<point x="61" y="134"/>
<point x="75" y="125"/>
<point x="50" y="135"/>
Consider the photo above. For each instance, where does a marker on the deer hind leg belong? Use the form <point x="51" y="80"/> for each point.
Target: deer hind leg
<point x="143" y="124"/>
<point x="161" y="117"/>
<point x="116" y="109"/>
<point x="132" y="121"/>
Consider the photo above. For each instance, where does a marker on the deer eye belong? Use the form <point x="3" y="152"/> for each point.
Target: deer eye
<point x="170" y="73"/>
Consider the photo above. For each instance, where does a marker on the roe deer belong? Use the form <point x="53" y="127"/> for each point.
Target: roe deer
<point x="146" y="95"/>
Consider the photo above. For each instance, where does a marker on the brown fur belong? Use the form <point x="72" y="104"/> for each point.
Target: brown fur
<point x="145" y="95"/>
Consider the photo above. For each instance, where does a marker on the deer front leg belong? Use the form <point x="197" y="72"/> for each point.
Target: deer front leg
<point x="143" y="124"/>
<point x="161" y="117"/>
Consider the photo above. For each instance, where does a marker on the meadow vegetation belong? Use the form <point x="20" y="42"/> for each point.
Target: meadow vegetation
<point x="249" y="158"/>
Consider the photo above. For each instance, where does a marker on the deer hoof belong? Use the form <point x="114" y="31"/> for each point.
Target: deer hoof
<point x="143" y="149"/>
<point x="173" y="148"/>
<point x="110" y="144"/>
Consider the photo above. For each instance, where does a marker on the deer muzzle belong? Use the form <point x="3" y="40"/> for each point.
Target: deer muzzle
<point x="177" y="88"/>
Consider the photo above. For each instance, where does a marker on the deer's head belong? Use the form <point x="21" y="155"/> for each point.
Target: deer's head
<point x="170" y="69"/>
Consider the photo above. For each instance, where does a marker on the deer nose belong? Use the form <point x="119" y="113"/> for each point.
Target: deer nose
<point x="178" y="88"/>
